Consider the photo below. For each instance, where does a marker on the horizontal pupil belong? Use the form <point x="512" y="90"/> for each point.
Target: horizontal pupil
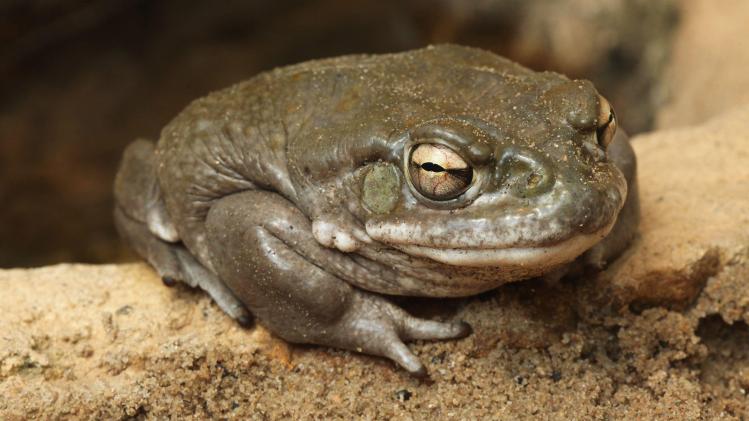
<point x="430" y="166"/>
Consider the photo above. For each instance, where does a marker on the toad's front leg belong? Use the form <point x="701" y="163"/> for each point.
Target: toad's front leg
<point x="263" y="249"/>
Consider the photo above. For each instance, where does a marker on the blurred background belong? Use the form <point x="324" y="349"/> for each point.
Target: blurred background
<point x="79" y="79"/>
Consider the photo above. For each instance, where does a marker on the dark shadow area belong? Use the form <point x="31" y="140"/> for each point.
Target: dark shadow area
<point x="726" y="369"/>
<point x="79" y="79"/>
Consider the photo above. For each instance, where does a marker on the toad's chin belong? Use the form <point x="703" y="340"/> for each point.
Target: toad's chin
<point x="542" y="256"/>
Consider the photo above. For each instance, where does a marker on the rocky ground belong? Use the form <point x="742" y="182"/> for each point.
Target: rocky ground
<point x="663" y="333"/>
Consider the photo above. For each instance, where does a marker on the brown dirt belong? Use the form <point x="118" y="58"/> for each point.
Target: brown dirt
<point x="662" y="334"/>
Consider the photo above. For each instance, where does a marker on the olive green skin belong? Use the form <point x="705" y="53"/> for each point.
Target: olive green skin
<point x="320" y="151"/>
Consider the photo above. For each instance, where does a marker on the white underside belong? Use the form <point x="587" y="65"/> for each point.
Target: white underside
<point x="554" y="255"/>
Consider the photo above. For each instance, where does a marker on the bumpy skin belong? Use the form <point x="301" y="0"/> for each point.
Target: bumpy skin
<point x="290" y="194"/>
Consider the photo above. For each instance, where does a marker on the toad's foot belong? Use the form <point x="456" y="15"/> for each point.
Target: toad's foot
<point x="375" y="326"/>
<point x="341" y="232"/>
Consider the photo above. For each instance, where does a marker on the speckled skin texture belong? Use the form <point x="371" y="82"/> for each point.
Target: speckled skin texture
<point x="290" y="194"/>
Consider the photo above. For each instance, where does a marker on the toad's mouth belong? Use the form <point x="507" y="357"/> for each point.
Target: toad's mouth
<point x="542" y="256"/>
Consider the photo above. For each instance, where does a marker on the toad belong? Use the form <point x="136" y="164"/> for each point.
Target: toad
<point x="309" y="194"/>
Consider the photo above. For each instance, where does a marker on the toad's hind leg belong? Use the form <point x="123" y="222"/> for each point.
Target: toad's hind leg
<point x="263" y="248"/>
<point x="142" y="221"/>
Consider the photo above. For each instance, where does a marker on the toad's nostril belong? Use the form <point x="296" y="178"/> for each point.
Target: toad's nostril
<point x="523" y="172"/>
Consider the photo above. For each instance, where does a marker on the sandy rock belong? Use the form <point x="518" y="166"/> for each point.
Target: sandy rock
<point x="112" y="342"/>
<point x="707" y="74"/>
<point x="694" y="190"/>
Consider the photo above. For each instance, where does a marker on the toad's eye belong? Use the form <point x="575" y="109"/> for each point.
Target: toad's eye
<point x="606" y="125"/>
<point x="439" y="173"/>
